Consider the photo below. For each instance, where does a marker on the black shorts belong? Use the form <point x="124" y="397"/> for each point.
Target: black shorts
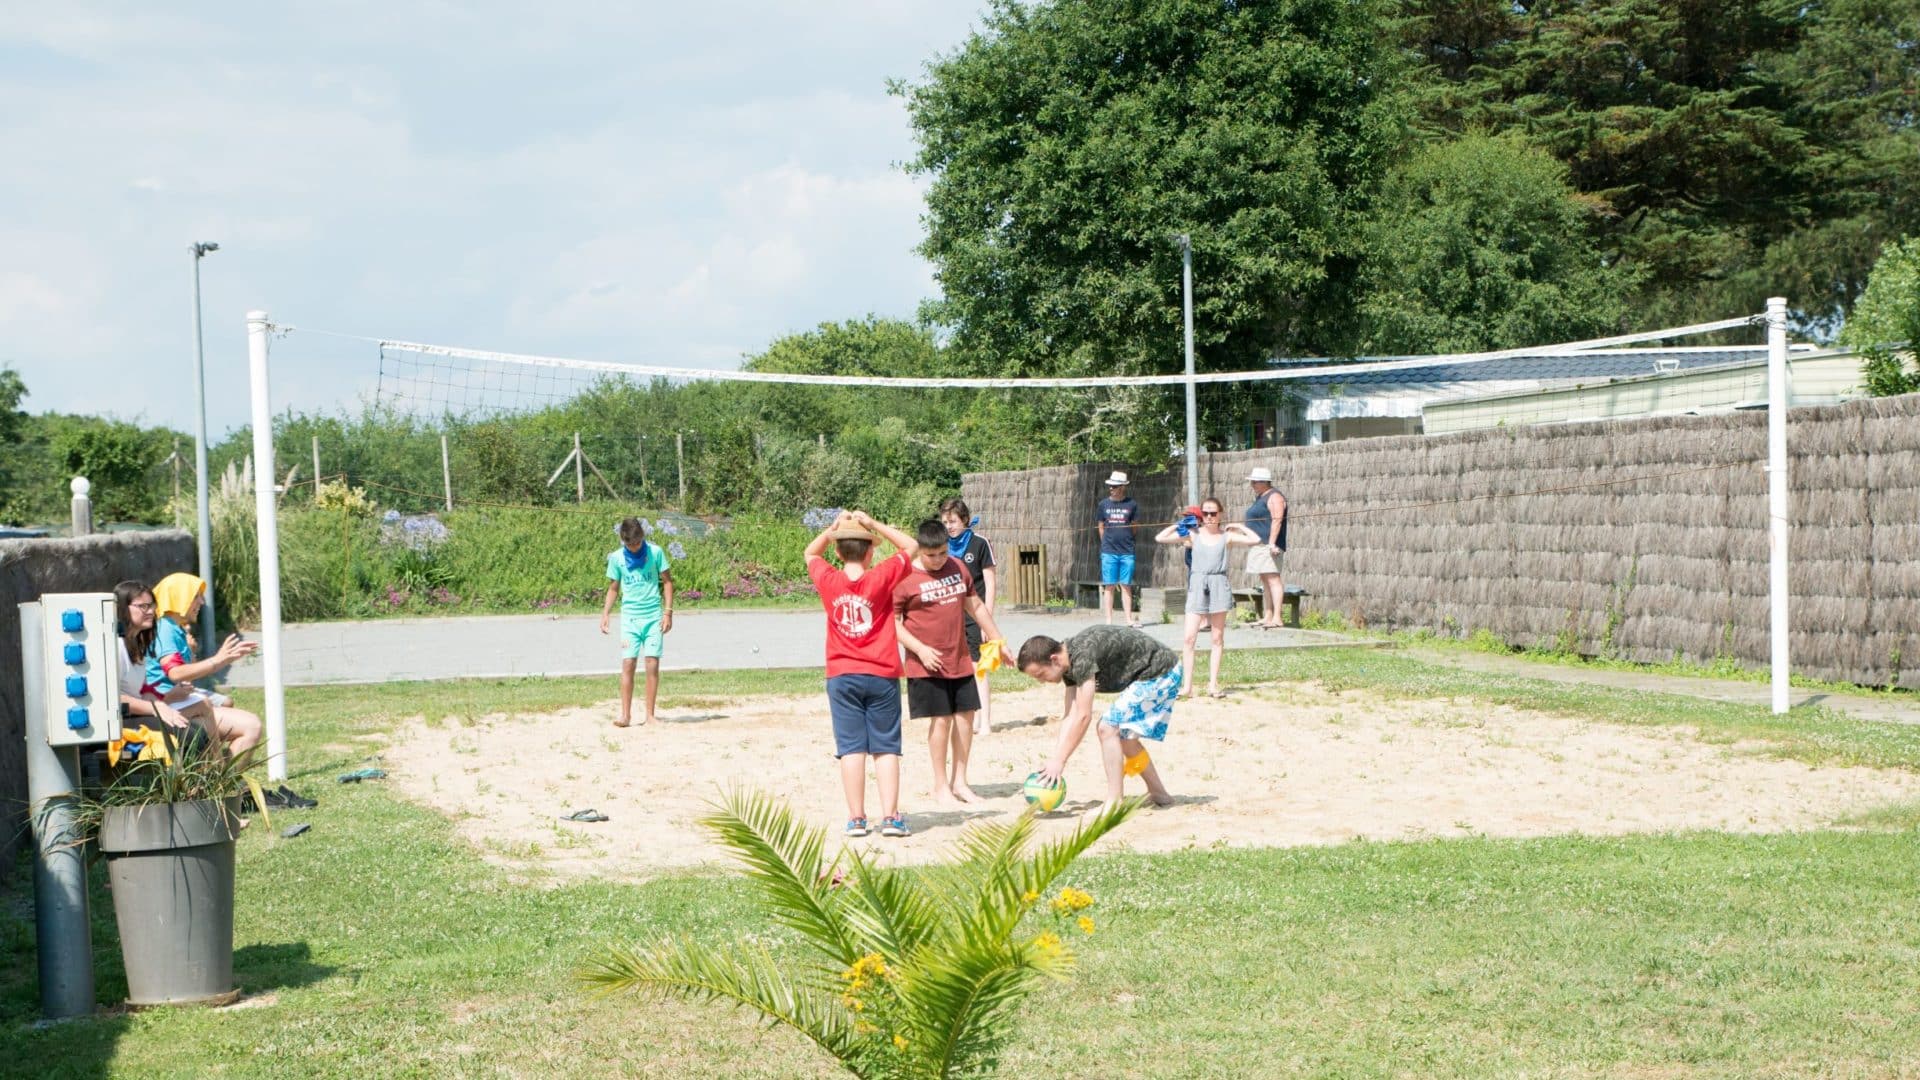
<point x="973" y="638"/>
<point x="936" y="696"/>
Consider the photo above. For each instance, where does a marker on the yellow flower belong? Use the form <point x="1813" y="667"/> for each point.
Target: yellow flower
<point x="868" y="966"/>
<point x="1048" y="943"/>
<point x="1029" y="896"/>
<point x="853" y="1003"/>
<point x="1086" y="924"/>
<point x="861" y="1027"/>
<point x="1071" y="900"/>
<point x="899" y="1042"/>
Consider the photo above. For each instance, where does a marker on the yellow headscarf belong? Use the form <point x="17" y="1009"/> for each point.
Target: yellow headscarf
<point x="175" y="594"/>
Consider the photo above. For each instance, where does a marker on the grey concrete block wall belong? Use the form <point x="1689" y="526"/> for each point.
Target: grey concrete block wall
<point x="29" y="569"/>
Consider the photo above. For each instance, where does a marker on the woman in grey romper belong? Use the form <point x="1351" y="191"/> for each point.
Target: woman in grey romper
<point x="1209" y="591"/>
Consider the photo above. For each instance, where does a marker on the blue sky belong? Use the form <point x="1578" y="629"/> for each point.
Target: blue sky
<point x="615" y="181"/>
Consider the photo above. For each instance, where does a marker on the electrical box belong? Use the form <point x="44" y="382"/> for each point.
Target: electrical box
<point x="82" y="681"/>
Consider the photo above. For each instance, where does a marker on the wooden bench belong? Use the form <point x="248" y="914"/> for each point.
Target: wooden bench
<point x="1290" y="599"/>
<point x="1087" y="594"/>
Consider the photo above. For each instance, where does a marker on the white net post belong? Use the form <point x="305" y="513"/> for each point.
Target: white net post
<point x="1777" y="404"/>
<point x="267" y="522"/>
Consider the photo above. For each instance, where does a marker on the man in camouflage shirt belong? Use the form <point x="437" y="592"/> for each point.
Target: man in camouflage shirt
<point x="1110" y="660"/>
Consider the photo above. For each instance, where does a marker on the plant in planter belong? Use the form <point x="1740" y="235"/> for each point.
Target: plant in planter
<point x="167" y="826"/>
<point x="900" y="972"/>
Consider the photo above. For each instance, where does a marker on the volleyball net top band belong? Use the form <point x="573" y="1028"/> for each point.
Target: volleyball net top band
<point x="1271" y="374"/>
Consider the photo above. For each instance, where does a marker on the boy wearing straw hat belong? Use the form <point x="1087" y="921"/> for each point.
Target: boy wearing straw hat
<point x="1117" y="514"/>
<point x="863" y="660"/>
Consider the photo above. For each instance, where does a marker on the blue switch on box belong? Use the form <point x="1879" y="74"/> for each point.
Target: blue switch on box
<point x="75" y="652"/>
<point x="79" y="719"/>
<point x="72" y="621"/>
<point x="76" y="686"/>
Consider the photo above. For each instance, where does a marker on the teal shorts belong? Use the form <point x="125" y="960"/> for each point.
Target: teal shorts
<point x="640" y="637"/>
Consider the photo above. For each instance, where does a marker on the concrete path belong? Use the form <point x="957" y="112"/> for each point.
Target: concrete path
<point x="405" y="650"/>
<point x="1885" y="709"/>
<point x="402" y="650"/>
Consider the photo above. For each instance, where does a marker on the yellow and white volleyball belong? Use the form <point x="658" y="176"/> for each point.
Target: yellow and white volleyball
<point x="1044" y="794"/>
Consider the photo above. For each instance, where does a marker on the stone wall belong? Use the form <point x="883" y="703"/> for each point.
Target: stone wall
<point x="29" y="569"/>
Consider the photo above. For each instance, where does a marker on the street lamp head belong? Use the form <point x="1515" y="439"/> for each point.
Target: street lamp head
<point x="204" y="248"/>
<point x="1184" y="240"/>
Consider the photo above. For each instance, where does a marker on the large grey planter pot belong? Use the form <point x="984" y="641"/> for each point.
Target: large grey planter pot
<point x="171" y="867"/>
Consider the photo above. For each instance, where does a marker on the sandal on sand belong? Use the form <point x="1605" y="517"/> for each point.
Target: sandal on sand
<point x="1217" y="693"/>
<point x="584" y="815"/>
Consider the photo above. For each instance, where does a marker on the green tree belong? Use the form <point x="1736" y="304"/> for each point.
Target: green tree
<point x="1736" y="149"/>
<point x="13" y="422"/>
<point x="117" y="458"/>
<point x="493" y="463"/>
<point x="1479" y="243"/>
<point x="1068" y="142"/>
<point x="1885" y="325"/>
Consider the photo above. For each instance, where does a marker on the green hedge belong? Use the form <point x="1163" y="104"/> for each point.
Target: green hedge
<point x="335" y="564"/>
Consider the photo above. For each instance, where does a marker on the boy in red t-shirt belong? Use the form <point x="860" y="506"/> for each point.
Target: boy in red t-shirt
<point x="928" y="605"/>
<point x="863" y="661"/>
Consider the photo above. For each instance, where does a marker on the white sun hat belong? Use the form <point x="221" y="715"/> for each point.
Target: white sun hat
<point x="1260" y="475"/>
<point x="1118" y="479"/>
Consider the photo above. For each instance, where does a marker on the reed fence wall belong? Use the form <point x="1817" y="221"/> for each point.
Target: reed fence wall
<point x="1639" y="539"/>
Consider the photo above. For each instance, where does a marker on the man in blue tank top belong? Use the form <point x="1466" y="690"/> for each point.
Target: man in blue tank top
<point x="1267" y="517"/>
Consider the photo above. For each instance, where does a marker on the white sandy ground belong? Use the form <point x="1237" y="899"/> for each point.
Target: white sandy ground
<point x="1271" y="766"/>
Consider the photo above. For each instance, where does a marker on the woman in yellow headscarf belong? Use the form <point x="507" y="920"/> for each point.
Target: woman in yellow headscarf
<point x="171" y="666"/>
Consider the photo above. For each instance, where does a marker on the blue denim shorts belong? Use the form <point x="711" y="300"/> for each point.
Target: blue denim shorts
<point x="1116" y="569"/>
<point x="866" y="714"/>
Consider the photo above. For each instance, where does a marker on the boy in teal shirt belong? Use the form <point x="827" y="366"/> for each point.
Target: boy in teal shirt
<point x="639" y="575"/>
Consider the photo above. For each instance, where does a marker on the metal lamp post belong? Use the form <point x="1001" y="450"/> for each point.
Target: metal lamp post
<point x="205" y="515"/>
<point x="1193" y="423"/>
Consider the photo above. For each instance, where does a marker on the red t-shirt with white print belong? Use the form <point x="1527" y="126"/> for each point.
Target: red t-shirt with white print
<point x="933" y="602"/>
<point x="860" y="636"/>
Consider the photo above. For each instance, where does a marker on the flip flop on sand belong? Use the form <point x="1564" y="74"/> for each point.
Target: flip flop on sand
<point x="584" y="815"/>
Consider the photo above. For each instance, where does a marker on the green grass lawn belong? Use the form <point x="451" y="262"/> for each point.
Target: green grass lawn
<point x="380" y="944"/>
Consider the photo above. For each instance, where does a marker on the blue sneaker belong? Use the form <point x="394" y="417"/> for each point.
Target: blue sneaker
<point x="895" y="826"/>
<point x="857" y="827"/>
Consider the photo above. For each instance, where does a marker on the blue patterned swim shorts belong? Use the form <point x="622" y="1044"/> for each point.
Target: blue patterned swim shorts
<point x="1143" y="708"/>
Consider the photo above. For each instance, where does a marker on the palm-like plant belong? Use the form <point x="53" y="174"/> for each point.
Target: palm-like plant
<point x="910" y="972"/>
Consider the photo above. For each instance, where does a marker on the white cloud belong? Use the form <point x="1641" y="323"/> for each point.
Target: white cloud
<point x="601" y="180"/>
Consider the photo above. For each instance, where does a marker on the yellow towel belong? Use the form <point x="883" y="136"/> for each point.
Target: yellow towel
<point x="989" y="657"/>
<point x="176" y="593"/>
<point x="152" y="746"/>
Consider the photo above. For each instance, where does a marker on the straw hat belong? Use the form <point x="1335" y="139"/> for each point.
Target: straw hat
<point x="1260" y="475"/>
<point x="852" y="530"/>
<point x="1118" y="479"/>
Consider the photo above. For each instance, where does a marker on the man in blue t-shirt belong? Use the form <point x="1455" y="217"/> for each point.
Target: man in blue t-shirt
<point x="639" y="575"/>
<point x="1117" y="514"/>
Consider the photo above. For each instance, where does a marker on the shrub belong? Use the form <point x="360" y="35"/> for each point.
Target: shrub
<point x="908" y="973"/>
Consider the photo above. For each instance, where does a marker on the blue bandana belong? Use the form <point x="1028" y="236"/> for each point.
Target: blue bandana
<point x="957" y="545"/>
<point x="635" y="561"/>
